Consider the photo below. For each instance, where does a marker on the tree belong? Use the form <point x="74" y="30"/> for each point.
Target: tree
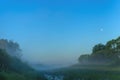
<point x="12" y="48"/>
<point x="118" y="44"/>
<point x="5" y="60"/>
<point x="84" y="58"/>
<point x="108" y="53"/>
<point x="98" y="47"/>
<point x="111" y="45"/>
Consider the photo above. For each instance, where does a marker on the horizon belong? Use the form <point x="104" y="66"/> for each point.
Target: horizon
<point x="58" y="32"/>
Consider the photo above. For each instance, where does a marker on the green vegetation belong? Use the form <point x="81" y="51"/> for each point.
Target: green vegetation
<point x="12" y="67"/>
<point x="108" y="54"/>
<point x="88" y="74"/>
<point x="12" y="48"/>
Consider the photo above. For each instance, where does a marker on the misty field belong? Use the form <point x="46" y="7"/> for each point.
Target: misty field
<point x="95" y="73"/>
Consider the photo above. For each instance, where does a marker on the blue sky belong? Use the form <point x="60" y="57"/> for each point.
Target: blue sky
<point x="58" y="31"/>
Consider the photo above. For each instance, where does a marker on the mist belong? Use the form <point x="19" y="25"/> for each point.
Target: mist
<point x="60" y="40"/>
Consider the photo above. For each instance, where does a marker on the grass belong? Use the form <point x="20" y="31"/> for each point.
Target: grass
<point x="90" y="73"/>
<point x="11" y="76"/>
<point x="17" y="76"/>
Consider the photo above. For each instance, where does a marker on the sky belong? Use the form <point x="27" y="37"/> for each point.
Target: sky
<point x="58" y="31"/>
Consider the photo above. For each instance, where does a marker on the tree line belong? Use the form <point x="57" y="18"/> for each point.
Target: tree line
<point x="107" y="54"/>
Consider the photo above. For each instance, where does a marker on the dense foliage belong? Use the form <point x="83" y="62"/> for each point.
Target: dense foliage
<point x="108" y="54"/>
